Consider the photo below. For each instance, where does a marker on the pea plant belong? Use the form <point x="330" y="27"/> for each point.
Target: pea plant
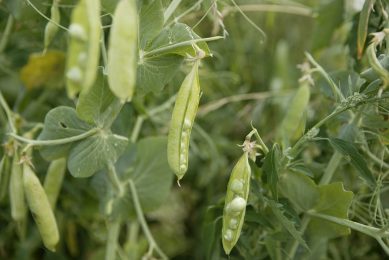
<point x="104" y="106"/>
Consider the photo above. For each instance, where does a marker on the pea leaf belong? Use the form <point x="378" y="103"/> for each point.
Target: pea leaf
<point x="179" y="32"/>
<point x="92" y="104"/>
<point x="61" y="122"/>
<point x="330" y="16"/>
<point x="333" y="201"/>
<point x="286" y="223"/>
<point x="151" y="22"/>
<point x="356" y="159"/>
<point x="150" y="173"/>
<point x="270" y="168"/>
<point x="94" y="153"/>
<point x="155" y="72"/>
<point x="299" y="189"/>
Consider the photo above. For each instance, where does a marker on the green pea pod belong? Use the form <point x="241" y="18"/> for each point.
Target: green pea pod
<point x="293" y="123"/>
<point x="235" y="203"/>
<point x="84" y="52"/>
<point x="4" y="177"/>
<point x="375" y="64"/>
<point x="184" y="113"/>
<point x="16" y="191"/>
<point x="53" y="180"/>
<point x="123" y="51"/>
<point x="51" y="28"/>
<point x="39" y="206"/>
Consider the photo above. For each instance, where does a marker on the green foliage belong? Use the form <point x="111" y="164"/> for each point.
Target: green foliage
<point x="310" y="105"/>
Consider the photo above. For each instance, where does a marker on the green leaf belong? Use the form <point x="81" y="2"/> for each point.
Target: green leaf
<point x="299" y="189"/>
<point x="330" y="16"/>
<point x="149" y="171"/>
<point x="363" y="26"/>
<point x="271" y="168"/>
<point x="286" y="223"/>
<point x="333" y="201"/>
<point x="92" y="104"/>
<point x="155" y="72"/>
<point x="94" y="153"/>
<point x="179" y="32"/>
<point x="348" y="149"/>
<point x="61" y="122"/>
<point x="151" y="22"/>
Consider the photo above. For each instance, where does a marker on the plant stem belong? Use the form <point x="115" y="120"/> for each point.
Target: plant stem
<point x="137" y="128"/>
<point x="164" y="49"/>
<point x="56" y="141"/>
<point x="44" y="16"/>
<point x="6" y="33"/>
<point x="112" y="241"/>
<point x="331" y="168"/>
<point x="170" y="10"/>
<point x="142" y="221"/>
<point x="103" y="50"/>
<point x="277" y="8"/>
<point x="113" y="177"/>
<point x="8" y="112"/>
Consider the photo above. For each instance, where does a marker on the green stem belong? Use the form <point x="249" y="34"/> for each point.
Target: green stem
<point x="190" y="9"/>
<point x="170" y="10"/>
<point x="112" y="241"/>
<point x="142" y="221"/>
<point x="44" y="16"/>
<point x="332" y="84"/>
<point x="7" y="33"/>
<point x="103" y="50"/>
<point x="367" y="230"/>
<point x="56" y="141"/>
<point x="331" y="168"/>
<point x="113" y="177"/>
<point x="177" y="45"/>
<point x="137" y="128"/>
<point x="293" y="249"/>
<point x="8" y="112"/>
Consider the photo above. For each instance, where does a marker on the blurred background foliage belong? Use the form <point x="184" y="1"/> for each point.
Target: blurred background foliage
<point x="247" y="79"/>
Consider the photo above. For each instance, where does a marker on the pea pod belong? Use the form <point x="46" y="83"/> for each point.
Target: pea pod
<point x="184" y="113"/>
<point x="83" y="52"/>
<point x="4" y="176"/>
<point x="53" y="180"/>
<point x="51" y="28"/>
<point x="235" y="203"/>
<point x="16" y="191"/>
<point x="39" y="206"/>
<point x="123" y="51"/>
<point x="293" y="124"/>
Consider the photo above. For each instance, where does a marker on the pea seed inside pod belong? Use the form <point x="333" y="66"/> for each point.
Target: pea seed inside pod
<point x="77" y="32"/>
<point x="237" y="204"/>
<point x="233" y="223"/>
<point x="74" y="74"/>
<point x="237" y="186"/>
<point x="228" y="235"/>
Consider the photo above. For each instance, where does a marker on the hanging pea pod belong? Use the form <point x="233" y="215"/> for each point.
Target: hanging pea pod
<point x="83" y="52"/>
<point x="51" y="28"/>
<point x="235" y="203"/>
<point x="184" y="113"/>
<point x="123" y="51"/>
<point x="53" y="180"/>
<point x="16" y="191"/>
<point x="293" y="124"/>
<point x="39" y="206"/>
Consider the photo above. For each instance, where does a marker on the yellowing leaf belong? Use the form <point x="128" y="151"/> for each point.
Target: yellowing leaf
<point x="43" y="70"/>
